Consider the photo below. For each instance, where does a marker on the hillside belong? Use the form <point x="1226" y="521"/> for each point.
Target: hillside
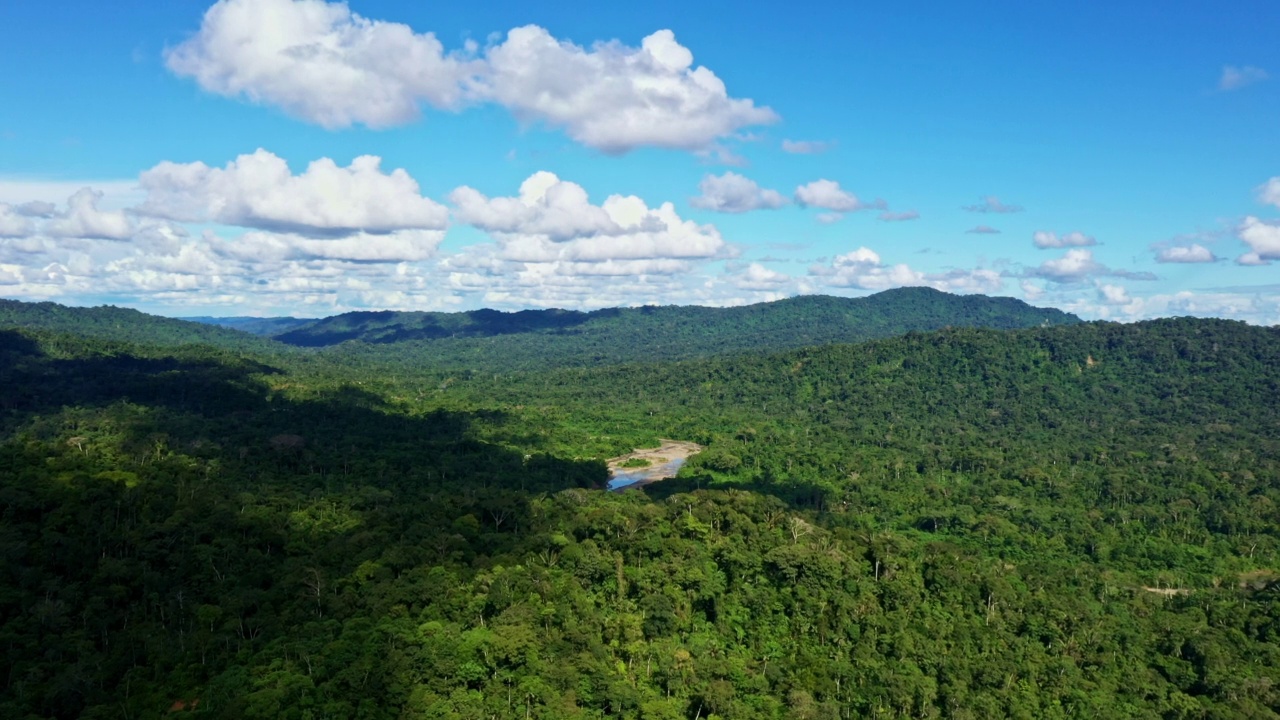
<point x="533" y="339"/>
<point x="1053" y="522"/>
<point x="265" y="327"/>
<point x="125" y="325"/>
<point x="545" y="339"/>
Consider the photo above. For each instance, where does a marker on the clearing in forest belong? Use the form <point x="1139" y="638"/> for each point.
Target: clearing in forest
<point x="646" y="465"/>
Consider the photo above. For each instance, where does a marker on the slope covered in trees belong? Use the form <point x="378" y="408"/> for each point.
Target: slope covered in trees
<point x="266" y="327"/>
<point x="123" y="324"/>
<point x="535" y="339"/>
<point x="542" y="339"/>
<point x="1054" y="522"/>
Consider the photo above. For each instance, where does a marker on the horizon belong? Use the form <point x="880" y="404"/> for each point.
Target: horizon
<point x="197" y="318"/>
<point x="303" y="158"/>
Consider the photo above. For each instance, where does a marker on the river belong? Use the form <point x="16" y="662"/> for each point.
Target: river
<point x="626" y="477"/>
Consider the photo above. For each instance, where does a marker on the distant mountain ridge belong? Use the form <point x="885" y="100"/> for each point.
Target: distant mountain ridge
<point x="533" y="339"/>
<point x="266" y="327"/>
<point x="544" y="338"/>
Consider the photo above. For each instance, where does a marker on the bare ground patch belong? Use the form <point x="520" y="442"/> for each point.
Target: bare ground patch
<point x="664" y="461"/>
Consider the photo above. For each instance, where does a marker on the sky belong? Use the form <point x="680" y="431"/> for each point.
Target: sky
<point x="1118" y="160"/>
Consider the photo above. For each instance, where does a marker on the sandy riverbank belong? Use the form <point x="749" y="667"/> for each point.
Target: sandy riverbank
<point x="664" y="462"/>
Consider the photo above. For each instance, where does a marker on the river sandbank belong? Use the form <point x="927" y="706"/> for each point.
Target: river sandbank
<point x="664" y="462"/>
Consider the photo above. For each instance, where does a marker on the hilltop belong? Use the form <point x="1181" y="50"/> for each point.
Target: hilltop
<point x="544" y="339"/>
<point x="528" y="339"/>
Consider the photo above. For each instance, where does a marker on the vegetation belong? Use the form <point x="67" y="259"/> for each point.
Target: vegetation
<point x="115" y="323"/>
<point x="543" y="339"/>
<point x="253" y="325"/>
<point x="1073" y="521"/>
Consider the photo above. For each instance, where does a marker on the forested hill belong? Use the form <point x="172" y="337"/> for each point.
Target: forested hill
<point x="1050" y="522"/>
<point x="266" y="327"/>
<point x="125" y="325"/>
<point x="556" y="338"/>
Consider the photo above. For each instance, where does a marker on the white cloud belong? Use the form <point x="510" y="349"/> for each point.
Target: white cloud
<point x="401" y="246"/>
<point x="10" y="274"/>
<point x="759" y="277"/>
<point x="13" y="223"/>
<point x="1193" y="253"/>
<point x="1046" y="240"/>
<point x="806" y="147"/>
<point x="259" y="191"/>
<point x="982" y="230"/>
<point x="1269" y="192"/>
<point x="992" y="204"/>
<point x="545" y="206"/>
<point x="887" y="216"/>
<point x="863" y="269"/>
<point x="322" y="63"/>
<point x="1263" y="239"/>
<point x="1113" y="295"/>
<point x="1260" y="308"/>
<point x="828" y="195"/>
<point x="1030" y="290"/>
<point x="1234" y="78"/>
<point x="1077" y="265"/>
<point x="829" y="218"/>
<point x="616" y="98"/>
<point x="553" y="220"/>
<point x="1072" y="267"/>
<point x="83" y="219"/>
<point x="733" y="193"/>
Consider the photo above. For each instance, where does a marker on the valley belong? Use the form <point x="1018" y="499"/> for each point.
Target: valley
<point x="968" y="521"/>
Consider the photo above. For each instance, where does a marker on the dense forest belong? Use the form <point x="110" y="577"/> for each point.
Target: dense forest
<point x="544" y="339"/>
<point x="989" y="519"/>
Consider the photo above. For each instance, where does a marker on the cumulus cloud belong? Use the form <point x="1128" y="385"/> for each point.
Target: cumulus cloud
<point x="806" y="147"/>
<point x="982" y="230"/>
<point x="13" y="223"/>
<point x="1263" y="239"/>
<point x="828" y="195"/>
<point x="83" y="219"/>
<point x="887" y="216"/>
<point x="259" y="191"/>
<point x="36" y="209"/>
<point x="1077" y="265"/>
<point x="551" y="246"/>
<point x="322" y="63"/>
<point x="545" y="206"/>
<point x="992" y="204"/>
<point x="1047" y="240"/>
<point x="1113" y="295"/>
<point x="829" y="218"/>
<point x="733" y="193"/>
<point x="615" y="98"/>
<point x="401" y="246"/>
<point x="1072" y="267"/>
<point x="864" y="269"/>
<point x="1261" y="308"/>
<point x="759" y="277"/>
<point x="553" y="220"/>
<point x="1269" y="192"/>
<point x="1193" y="253"/>
<point x="1234" y="78"/>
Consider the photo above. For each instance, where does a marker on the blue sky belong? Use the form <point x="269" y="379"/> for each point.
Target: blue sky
<point x="1120" y="160"/>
